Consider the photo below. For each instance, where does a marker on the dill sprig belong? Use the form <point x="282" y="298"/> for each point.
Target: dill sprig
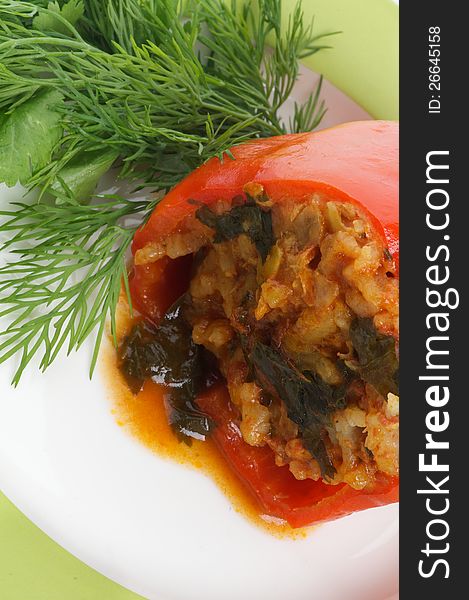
<point x="65" y="284"/>
<point x="158" y="104"/>
<point x="153" y="87"/>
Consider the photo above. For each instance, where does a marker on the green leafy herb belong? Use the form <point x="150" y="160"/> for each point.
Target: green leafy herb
<point x="309" y="115"/>
<point x="157" y="102"/>
<point x="248" y="218"/>
<point x="28" y="136"/>
<point x="153" y="87"/>
<point x="127" y="22"/>
<point x="82" y="174"/>
<point x="58" y="19"/>
<point x="168" y="355"/>
<point x="378" y="362"/>
<point x="308" y="398"/>
<point x="62" y="288"/>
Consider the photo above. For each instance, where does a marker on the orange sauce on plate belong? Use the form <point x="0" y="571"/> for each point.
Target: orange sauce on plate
<point x="144" y="416"/>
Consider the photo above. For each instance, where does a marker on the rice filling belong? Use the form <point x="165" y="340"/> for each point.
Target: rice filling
<point x="298" y="302"/>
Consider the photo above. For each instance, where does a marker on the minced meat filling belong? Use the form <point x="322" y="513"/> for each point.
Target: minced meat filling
<point x="298" y="302"/>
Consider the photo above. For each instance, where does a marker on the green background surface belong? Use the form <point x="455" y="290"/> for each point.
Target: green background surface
<point x="363" y="63"/>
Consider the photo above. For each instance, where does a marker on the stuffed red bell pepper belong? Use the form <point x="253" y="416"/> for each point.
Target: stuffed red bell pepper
<point x="268" y="283"/>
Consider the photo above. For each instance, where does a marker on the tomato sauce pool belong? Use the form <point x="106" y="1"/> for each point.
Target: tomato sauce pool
<point x="143" y="416"/>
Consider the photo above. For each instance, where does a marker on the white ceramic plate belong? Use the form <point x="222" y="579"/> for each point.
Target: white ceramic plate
<point x="158" y="528"/>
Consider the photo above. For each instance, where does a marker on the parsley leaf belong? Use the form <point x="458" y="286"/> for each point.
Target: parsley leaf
<point x="79" y="178"/>
<point x="28" y="137"/>
<point x="52" y="19"/>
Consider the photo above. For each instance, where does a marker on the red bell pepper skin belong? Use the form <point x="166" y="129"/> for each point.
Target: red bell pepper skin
<point x="278" y="493"/>
<point x="154" y="287"/>
<point x="356" y="162"/>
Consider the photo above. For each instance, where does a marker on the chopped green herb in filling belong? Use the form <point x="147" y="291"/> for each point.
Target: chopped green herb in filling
<point x="168" y="356"/>
<point x="378" y="364"/>
<point x="248" y="219"/>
